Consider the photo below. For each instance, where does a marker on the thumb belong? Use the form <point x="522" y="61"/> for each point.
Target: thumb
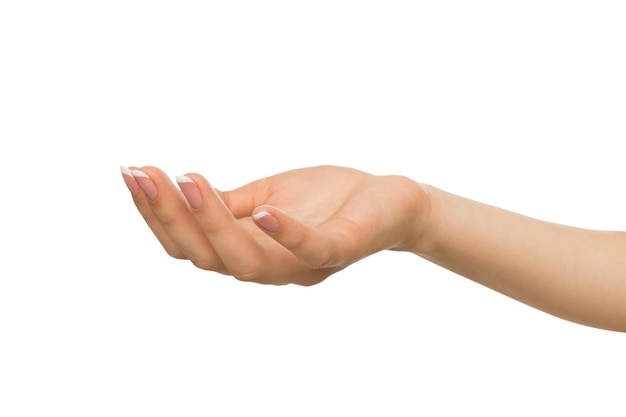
<point x="312" y="246"/>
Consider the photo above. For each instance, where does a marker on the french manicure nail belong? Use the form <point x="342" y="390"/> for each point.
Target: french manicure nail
<point x="266" y="221"/>
<point x="130" y="181"/>
<point x="145" y="183"/>
<point x="190" y="190"/>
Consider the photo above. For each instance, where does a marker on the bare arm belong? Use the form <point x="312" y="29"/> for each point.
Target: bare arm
<point x="576" y="274"/>
<point x="304" y="225"/>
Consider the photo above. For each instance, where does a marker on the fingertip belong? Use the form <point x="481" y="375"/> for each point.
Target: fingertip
<point x="125" y="170"/>
<point x="147" y="170"/>
<point x="266" y="220"/>
<point x="190" y="190"/>
<point x="130" y="182"/>
<point x="308" y="244"/>
<point x="181" y="179"/>
<point x="198" y="179"/>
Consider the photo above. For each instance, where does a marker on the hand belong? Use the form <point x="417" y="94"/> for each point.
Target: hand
<point x="296" y="227"/>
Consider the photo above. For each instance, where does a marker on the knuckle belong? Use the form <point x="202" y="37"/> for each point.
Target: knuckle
<point x="174" y="252"/>
<point x="296" y="243"/>
<point x="321" y="258"/>
<point x="166" y="218"/>
<point x="247" y="275"/>
<point x="204" y="264"/>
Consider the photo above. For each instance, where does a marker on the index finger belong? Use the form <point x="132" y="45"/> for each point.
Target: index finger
<point x="235" y="246"/>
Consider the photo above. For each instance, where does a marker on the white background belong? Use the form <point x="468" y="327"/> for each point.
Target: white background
<point x="517" y="104"/>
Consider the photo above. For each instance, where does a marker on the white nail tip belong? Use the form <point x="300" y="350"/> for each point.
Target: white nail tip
<point x="182" y="179"/>
<point x="137" y="173"/>
<point x="125" y="170"/>
<point x="260" y="214"/>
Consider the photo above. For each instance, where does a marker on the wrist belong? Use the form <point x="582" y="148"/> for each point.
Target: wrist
<point x="417" y="225"/>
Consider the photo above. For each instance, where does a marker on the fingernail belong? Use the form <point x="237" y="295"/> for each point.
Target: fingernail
<point x="130" y="181"/>
<point x="146" y="184"/>
<point x="266" y="221"/>
<point x="190" y="190"/>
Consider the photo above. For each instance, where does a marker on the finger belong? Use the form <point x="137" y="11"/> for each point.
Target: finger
<point x="236" y="247"/>
<point x="142" y="204"/>
<point x="333" y="244"/>
<point x="171" y="220"/>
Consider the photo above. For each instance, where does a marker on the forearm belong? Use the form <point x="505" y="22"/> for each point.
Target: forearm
<point x="576" y="274"/>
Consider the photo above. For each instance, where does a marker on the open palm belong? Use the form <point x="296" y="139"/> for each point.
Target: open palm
<point x="296" y="227"/>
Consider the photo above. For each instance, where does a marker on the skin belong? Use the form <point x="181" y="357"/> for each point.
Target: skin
<point x="322" y="219"/>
